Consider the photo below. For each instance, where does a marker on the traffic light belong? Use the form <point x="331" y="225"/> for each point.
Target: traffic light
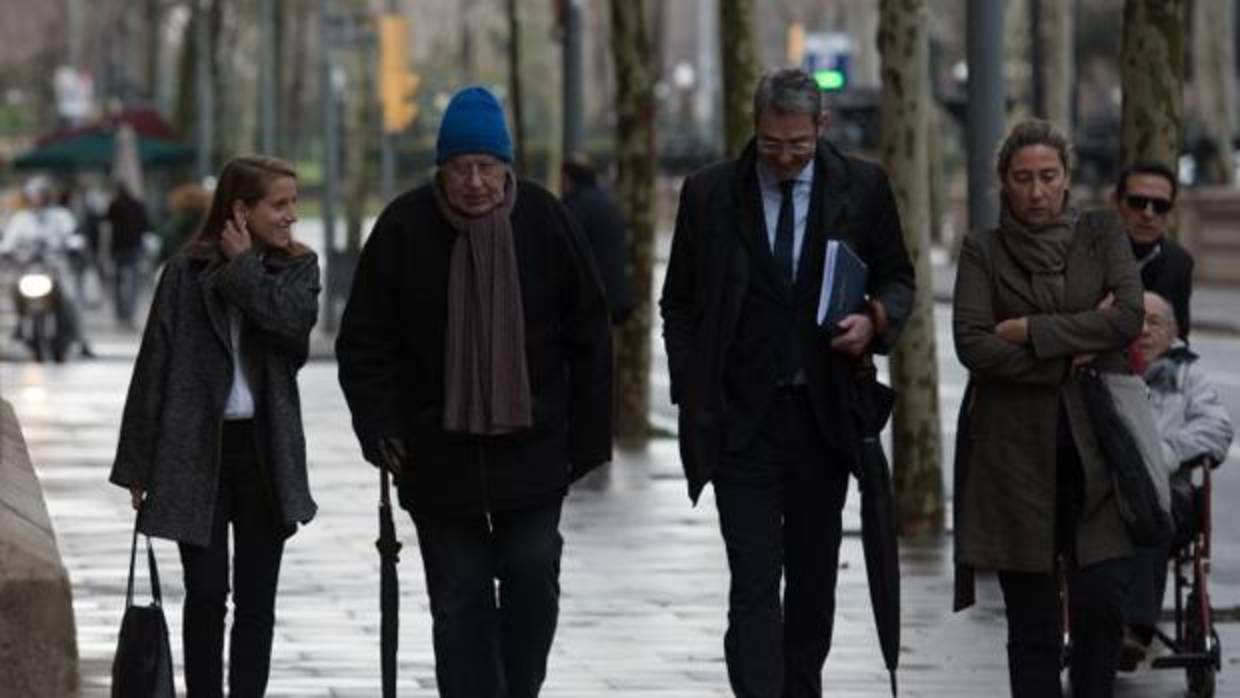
<point x="828" y="57"/>
<point x="398" y="86"/>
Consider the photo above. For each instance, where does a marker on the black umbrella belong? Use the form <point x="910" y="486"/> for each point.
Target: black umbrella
<point x="389" y="587"/>
<point x="878" y="516"/>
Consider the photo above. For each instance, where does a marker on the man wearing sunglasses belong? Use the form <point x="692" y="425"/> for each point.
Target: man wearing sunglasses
<point x="1145" y="197"/>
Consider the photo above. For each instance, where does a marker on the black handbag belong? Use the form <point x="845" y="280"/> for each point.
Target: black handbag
<point x="1127" y="434"/>
<point x="142" y="667"/>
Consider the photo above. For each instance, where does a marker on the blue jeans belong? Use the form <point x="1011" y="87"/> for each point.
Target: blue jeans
<point x="125" y="285"/>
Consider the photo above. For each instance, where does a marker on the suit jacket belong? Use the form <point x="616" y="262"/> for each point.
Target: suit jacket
<point x="719" y="251"/>
<point x="1007" y="438"/>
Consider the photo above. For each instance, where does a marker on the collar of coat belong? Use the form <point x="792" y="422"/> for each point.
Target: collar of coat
<point x="210" y="256"/>
<point x="1166" y="373"/>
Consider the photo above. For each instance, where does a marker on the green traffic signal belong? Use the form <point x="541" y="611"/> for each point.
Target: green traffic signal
<point x="831" y="79"/>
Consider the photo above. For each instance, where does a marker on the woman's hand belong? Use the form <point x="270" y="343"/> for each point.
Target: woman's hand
<point x="1015" y="330"/>
<point x="235" y="238"/>
<point x="136" y="494"/>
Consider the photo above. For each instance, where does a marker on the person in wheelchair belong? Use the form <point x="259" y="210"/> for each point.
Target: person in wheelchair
<point x="1194" y="424"/>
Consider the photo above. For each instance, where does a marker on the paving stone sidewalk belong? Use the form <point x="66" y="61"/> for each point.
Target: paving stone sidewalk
<point x="644" y="579"/>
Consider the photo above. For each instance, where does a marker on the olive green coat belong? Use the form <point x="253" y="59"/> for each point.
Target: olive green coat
<point x="1006" y="440"/>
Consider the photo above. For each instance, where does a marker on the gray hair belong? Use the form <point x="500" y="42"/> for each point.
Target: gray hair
<point x="788" y="91"/>
<point x="1033" y="132"/>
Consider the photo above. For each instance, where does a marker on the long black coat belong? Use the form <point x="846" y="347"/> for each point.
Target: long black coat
<point x="719" y="240"/>
<point x="603" y="224"/>
<point x="391" y="354"/>
<point x="170" y="431"/>
<point x="1170" y="275"/>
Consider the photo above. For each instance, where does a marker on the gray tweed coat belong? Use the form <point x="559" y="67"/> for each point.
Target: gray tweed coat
<point x="170" y="431"/>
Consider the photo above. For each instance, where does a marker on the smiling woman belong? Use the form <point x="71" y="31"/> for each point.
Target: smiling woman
<point x="211" y="437"/>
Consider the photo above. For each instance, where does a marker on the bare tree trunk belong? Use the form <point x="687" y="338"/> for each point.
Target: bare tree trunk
<point x="1056" y="73"/>
<point x="1214" y="80"/>
<point x="514" y="84"/>
<point x="916" y="434"/>
<point x="635" y="155"/>
<point x="185" y="106"/>
<point x="293" y="106"/>
<point x="861" y="21"/>
<point x="361" y="129"/>
<point x="1152" y="78"/>
<point x="152" y="19"/>
<point x="740" y="72"/>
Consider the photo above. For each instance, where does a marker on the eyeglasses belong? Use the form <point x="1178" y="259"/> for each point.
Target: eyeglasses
<point x="1137" y="202"/>
<point x="462" y="170"/>
<point x="800" y="146"/>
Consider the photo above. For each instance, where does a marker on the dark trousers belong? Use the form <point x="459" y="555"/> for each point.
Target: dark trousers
<point x="779" y="501"/>
<point x="485" y="649"/>
<point x="1149" y="585"/>
<point x="1096" y="606"/>
<point x="1097" y="595"/>
<point x="245" y="502"/>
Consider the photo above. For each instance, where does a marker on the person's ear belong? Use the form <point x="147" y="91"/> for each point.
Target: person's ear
<point x="239" y="208"/>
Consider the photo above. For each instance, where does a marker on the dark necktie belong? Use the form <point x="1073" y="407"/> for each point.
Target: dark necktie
<point x="783" y="230"/>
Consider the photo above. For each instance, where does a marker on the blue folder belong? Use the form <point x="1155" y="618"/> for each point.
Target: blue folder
<point x="843" y="285"/>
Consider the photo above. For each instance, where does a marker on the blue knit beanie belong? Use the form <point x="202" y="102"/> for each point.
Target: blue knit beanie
<point x="473" y="123"/>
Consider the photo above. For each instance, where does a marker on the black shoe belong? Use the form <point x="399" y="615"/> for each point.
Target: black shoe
<point x="1131" y="653"/>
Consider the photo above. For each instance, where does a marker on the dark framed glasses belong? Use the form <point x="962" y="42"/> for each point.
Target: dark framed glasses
<point x="1137" y="202"/>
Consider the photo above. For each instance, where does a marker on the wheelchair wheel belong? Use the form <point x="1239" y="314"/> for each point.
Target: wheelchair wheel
<point x="1197" y="639"/>
<point x="1201" y="681"/>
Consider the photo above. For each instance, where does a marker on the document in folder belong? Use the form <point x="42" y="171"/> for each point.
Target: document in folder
<point x="843" y="285"/>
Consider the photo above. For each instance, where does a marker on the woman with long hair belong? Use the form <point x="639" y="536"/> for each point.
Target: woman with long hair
<point x="211" y="436"/>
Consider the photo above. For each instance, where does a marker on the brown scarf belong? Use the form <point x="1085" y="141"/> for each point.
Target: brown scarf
<point x="1041" y="250"/>
<point x="486" y="381"/>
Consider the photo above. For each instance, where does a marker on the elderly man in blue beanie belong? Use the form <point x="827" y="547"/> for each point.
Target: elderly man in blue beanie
<point x="475" y="357"/>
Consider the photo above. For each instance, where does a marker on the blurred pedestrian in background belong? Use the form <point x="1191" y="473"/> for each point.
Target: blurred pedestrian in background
<point x="211" y="435"/>
<point x="44" y="230"/>
<point x="603" y="224"/>
<point x="187" y="208"/>
<point x="128" y="221"/>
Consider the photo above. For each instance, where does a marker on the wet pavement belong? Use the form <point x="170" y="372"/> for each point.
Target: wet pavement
<point x="644" y="576"/>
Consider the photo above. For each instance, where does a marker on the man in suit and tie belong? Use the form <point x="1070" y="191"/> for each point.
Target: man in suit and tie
<point x="766" y="396"/>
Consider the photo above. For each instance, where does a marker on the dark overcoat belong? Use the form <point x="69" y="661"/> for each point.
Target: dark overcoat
<point x="1005" y="473"/>
<point x="1169" y="273"/>
<point x="720" y="246"/>
<point x="391" y="353"/>
<point x="170" y="431"/>
<point x="603" y="224"/>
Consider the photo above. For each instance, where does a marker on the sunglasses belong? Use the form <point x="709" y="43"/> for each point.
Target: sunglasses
<point x="1139" y="203"/>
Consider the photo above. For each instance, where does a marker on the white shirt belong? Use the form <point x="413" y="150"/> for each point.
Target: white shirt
<point x="772" y="197"/>
<point x="240" y="403"/>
